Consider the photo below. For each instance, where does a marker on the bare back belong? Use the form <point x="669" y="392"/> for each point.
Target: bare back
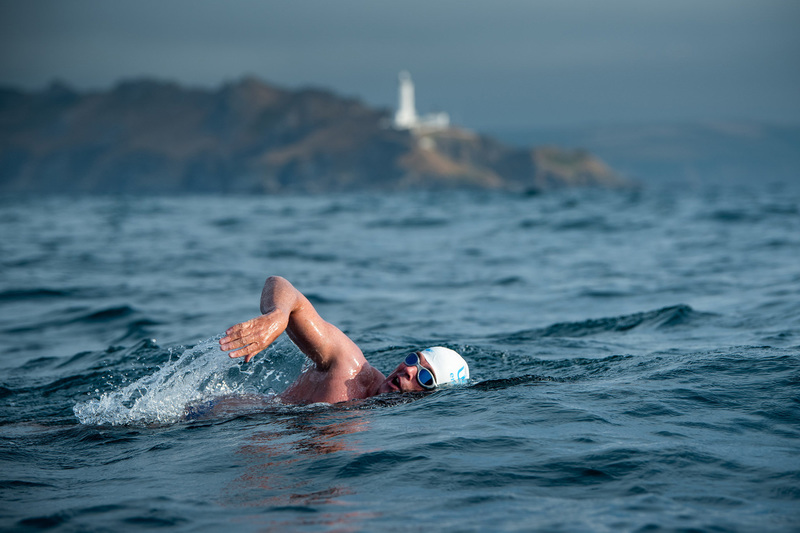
<point x="315" y="386"/>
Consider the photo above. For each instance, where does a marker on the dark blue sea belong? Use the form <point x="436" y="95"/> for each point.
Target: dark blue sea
<point x="635" y="362"/>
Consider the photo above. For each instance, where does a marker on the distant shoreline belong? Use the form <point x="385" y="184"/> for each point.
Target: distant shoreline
<point x="150" y="136"/>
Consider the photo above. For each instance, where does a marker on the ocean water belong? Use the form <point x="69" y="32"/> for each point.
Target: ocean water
<point x="635" y="362"/>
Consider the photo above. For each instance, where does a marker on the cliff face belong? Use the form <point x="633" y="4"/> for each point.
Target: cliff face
<point x="155" y="137"/>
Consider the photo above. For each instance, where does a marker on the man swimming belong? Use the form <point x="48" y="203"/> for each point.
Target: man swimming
<point x="340" y="371"/>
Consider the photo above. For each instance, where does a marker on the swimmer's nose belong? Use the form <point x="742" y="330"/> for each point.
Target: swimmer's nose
<point x="409" y="371"/>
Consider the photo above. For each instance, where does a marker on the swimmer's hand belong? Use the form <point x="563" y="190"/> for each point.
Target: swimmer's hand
<point x="249" y="338"/>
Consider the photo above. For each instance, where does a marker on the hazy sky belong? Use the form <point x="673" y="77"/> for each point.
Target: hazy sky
<point x="492" y="63"/>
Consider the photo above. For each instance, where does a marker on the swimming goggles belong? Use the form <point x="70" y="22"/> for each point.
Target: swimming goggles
<point x="424" y="376"/>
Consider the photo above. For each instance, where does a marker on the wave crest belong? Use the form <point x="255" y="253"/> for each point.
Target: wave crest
<point x="665" y="317"/>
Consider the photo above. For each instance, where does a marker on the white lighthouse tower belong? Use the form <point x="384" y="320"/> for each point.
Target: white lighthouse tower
<point x="406" y="115"/>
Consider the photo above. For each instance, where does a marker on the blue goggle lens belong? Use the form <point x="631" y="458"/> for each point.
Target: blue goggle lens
<point x="424" y="375"/>
<point x="425" y="378"/>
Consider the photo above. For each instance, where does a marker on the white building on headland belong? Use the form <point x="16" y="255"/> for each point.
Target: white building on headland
<point x="406" y="117"/>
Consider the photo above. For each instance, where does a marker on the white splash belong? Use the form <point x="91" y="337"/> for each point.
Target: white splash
<point x="199" y="374"/>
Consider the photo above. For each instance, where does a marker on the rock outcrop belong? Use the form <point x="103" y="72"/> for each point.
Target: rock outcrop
<point x="154" y="137"/>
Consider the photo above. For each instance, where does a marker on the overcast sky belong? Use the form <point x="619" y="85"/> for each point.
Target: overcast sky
<point x="490" y="64"/>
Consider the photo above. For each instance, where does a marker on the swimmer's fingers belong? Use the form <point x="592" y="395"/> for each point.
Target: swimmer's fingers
<point x="232" y="341"/>
<point x="240" y="335"/>
<point x="238" y="331"/>
<point x="248" y="352"/>
<point x="251" y="337"/>
<point x="244" y="345"/>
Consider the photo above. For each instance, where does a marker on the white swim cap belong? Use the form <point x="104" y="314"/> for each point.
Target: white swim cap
<point x="449" y="367"/>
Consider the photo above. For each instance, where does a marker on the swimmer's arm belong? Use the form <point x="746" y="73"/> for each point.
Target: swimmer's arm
<point x="285" y="308"/>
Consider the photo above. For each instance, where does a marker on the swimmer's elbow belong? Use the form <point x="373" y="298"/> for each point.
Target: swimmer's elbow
<point x="276" y="281"/>
<point x="278" y="293"/>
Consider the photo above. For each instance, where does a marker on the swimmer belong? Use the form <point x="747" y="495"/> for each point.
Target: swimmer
<point x="340" y="371"/>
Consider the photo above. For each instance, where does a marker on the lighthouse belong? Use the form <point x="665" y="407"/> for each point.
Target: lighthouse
<point x="406" y="116"/>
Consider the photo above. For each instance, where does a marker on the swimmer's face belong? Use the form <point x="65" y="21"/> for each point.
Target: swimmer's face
<point x="404" y="377"/>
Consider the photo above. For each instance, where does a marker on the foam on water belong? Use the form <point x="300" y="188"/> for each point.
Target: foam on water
<point x="199" y="374"/>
